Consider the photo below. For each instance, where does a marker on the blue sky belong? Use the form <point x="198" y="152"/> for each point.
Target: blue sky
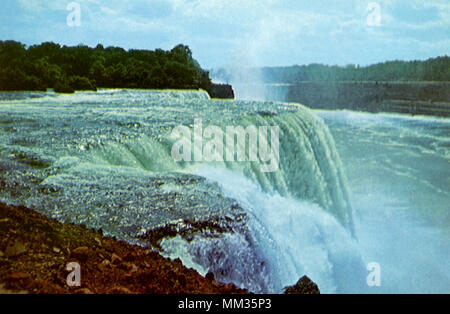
<point x="244" y="32"/>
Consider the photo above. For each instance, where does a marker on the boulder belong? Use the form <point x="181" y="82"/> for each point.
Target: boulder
<point x="15" y="248"/>
<point x="303" y="286"/>
<point x="222" y="91"/>
<point x="80" y="253"/>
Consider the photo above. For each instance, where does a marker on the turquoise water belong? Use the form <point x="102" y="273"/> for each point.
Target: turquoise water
<point x="398" y="175"/>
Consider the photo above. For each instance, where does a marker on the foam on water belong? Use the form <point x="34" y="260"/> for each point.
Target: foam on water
<point x="103" y="159"/>
<point x="296" y="237"/>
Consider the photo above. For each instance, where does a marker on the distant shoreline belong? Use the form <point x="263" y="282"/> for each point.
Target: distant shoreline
<point x="413" y="97"/>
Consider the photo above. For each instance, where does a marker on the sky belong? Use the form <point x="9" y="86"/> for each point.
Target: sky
<point x="242" y="32"/>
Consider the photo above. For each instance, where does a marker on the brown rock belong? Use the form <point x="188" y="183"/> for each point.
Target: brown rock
<point x="105" y="265"/>
<point x="99" y="242"/>
<point x="3" y="290"/>
<point x="120" y="290"/>
<point x="80" y="253"/>
<point x="84" y="291"/>
<point x="14" y="249"/>
<point x="132" y="268"/>
<point x="115" y="259"/>
<point x="17" y="276"/>
<point x="138" y="270"/>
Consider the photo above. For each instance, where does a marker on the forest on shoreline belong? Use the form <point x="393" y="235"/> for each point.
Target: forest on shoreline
<point x="434" y="69"/>
<point x="66" y="69"/>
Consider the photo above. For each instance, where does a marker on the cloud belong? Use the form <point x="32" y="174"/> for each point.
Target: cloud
<point x="263" y="32"/>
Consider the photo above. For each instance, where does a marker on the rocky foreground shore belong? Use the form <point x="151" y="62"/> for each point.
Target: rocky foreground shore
<point x="35" y="252"/>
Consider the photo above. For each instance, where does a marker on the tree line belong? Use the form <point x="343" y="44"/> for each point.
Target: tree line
<point x="433" y="69"/>
<point x="66" y="69"/>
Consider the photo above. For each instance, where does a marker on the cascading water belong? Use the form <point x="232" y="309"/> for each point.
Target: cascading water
<point x="104" y="159"/>
<point x="309" y="170"/>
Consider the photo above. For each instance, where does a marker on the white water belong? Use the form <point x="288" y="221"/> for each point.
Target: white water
<point x="398" y="170"/>
<point x="296" y="237"/>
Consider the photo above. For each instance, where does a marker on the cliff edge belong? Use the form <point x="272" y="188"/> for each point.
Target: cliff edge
<point x="35" y="252"/>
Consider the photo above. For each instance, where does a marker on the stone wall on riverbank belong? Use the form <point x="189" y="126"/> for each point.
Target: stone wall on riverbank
<point x="421" y="98"/>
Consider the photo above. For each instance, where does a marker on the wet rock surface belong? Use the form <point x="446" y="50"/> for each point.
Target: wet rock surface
<point x="222" y="91"/>
<point x="35" y="251"/>
<point x="303" y="286"/>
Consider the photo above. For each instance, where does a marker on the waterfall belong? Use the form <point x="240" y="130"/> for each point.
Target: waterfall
<point x="104" y="160"/>
<point x="309" y="165"/>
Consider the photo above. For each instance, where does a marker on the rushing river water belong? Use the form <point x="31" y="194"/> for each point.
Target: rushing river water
<point x="351" y="188"/>
<point x="398" y="171"/>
